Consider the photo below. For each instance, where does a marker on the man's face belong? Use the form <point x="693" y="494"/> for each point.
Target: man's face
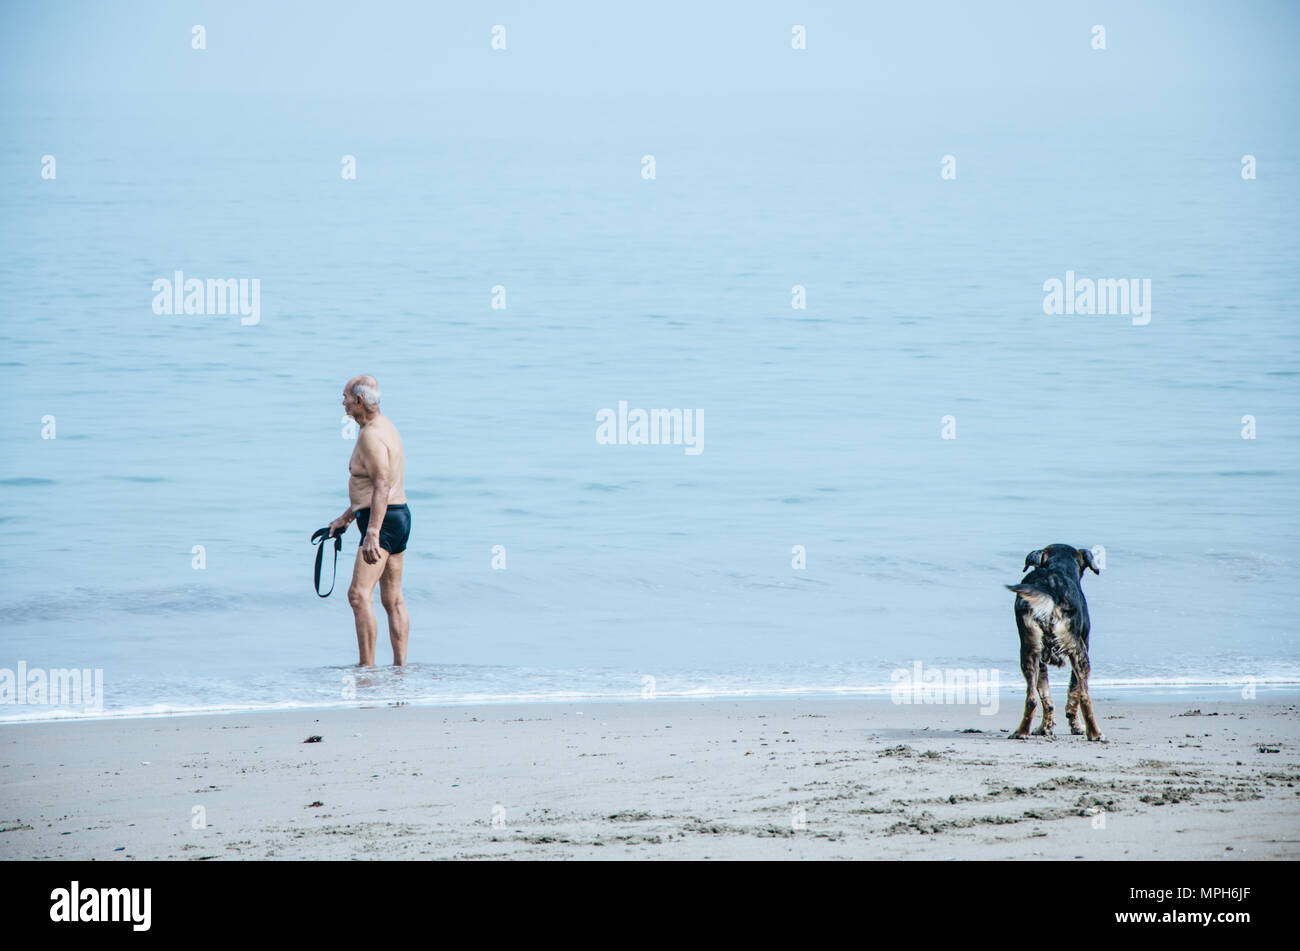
<point x="351" y="404"/>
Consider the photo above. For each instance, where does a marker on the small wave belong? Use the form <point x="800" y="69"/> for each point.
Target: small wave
<point x="1009" y="684"/>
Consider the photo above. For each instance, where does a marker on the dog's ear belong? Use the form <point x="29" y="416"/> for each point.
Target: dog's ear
<point x="1034" y="559"/>
<point x="1086" y="561"/>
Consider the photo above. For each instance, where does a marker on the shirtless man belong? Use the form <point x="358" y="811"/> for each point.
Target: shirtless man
<point x="378" y="499"/>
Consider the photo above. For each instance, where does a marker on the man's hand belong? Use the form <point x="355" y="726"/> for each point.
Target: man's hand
<point x="340" y="524"/>
<point x="370" y="550"/>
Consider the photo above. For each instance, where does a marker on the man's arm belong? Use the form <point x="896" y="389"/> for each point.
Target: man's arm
<point x="341" y="523"/>
<point x="374" y="459"/>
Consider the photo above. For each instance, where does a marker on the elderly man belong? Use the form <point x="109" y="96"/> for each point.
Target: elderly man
<point x="378" y="503"/>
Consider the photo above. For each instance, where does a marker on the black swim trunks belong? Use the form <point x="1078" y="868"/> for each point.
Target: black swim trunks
<point x="395" y="531"/>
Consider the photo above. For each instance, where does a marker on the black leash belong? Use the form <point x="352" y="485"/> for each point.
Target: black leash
<point x="322" y="535"/>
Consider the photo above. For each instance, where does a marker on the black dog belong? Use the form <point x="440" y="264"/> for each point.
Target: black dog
<point x="1052" y="618"/>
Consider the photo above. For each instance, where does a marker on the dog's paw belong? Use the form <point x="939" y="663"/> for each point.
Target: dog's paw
<point x="1041" y="731"/>
<point x="1076" y="730"/>
<point x="1097" y="739"/>
<point x="1015" y="736"/>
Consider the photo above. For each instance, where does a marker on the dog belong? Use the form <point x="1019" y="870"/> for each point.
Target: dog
<point x="1052" y="618"/>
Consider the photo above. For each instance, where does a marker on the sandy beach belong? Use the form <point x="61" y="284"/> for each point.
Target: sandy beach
<point x="719" y="779"/>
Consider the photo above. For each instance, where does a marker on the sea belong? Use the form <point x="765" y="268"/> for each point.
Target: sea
<point x="887" y="418"/>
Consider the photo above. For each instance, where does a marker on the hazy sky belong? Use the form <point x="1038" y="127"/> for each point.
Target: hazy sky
<point x="98" y="48"/>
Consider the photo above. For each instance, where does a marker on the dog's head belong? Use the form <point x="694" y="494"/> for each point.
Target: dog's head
<point x="1062" y="556"/>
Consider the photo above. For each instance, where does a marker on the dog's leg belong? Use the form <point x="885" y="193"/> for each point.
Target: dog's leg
<point x="1085" y="699"/>
<point x="1072" y="701"/>
<point x="1044" y="694"/>
<point x="1028" y="667"/>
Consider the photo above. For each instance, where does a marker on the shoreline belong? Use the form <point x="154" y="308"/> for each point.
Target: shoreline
<point x="1136" y="692"/>
<point x="754" y="778"/>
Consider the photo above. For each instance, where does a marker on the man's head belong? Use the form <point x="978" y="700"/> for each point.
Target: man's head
<point x="361" y="398"/>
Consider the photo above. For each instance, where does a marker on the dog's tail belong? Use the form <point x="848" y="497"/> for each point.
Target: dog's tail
<point x="1043" y="606"/>
<point x="1040" y="602"/>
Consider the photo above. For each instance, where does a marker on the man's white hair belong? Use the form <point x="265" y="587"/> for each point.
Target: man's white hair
<point x="368" y="394"/>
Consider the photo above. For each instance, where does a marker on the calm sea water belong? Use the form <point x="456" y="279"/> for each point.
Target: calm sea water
<point x="822" y="426"/>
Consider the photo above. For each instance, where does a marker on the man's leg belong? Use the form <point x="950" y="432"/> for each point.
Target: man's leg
<point x="361" y="595"/>
<point x="390" y="595"/>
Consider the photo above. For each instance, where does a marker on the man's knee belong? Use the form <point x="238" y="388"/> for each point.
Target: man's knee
<point x="392" y="600"/>
<point x="359" y="597"/>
